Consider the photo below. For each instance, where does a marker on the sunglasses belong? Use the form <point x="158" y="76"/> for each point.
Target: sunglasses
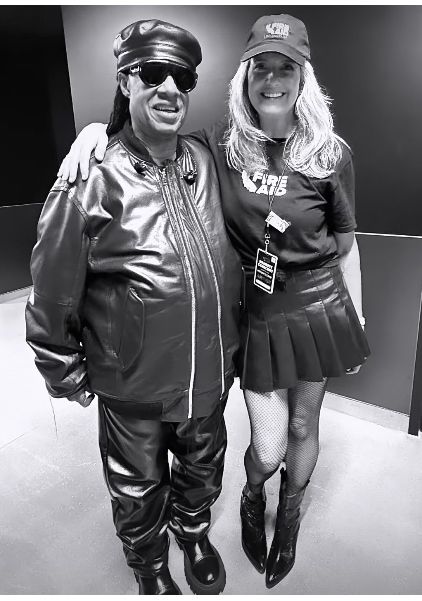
<point x="154" y="72"/>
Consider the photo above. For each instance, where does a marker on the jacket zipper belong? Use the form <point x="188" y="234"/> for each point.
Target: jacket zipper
<point x="188" y="272"/>
<point x="192" y="208"/>
<point x="220" y="334"/>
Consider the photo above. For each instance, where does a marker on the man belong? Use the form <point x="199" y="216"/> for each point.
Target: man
<point x="131" y="270"/>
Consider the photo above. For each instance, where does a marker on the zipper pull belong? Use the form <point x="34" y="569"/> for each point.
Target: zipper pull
<point x="139" y="168"/>
<point x="163" y="173"/>
<point x="190" y="177"/>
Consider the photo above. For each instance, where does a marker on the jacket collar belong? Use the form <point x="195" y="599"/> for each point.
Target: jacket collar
<point x="136" y="147"/>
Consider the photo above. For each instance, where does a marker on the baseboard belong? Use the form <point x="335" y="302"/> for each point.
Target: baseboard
<point x="371" y="413"/>
<point x="15" y="295"/>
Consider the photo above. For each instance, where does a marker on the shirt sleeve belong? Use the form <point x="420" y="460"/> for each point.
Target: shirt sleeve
<point x="210" y="136"/>
<point x="201" y="136"/>
<point x="342" y="206"/>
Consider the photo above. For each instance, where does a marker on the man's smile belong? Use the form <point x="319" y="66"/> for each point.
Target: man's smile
<point x="165" y="108"/>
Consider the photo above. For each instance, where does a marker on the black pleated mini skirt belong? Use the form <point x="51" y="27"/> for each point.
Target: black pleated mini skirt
<point x="307" y="329"/>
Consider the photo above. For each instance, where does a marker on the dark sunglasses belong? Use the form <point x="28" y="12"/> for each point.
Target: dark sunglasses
<point x="154" y="72"/>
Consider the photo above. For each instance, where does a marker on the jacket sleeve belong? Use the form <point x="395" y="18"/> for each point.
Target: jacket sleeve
<point x="58" y="269"/>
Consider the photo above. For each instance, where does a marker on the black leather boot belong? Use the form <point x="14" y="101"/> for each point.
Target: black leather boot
<point x="281" y="557"/>
<point x="160" y="584"/>
<point x="204" y="568"/>
<point x="254" y="541"/>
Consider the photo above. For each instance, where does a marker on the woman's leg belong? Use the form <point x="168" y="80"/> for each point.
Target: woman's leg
<point x="305" y="402"/>
<point x="269" y="418"/>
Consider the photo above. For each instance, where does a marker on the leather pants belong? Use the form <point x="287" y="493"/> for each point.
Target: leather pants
<point x="146" y="495"/>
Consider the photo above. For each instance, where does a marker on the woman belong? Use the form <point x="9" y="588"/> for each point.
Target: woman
<point x="287" y="186"/>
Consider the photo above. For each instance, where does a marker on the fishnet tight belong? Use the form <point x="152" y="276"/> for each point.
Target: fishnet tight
<point x="284" y="426"/>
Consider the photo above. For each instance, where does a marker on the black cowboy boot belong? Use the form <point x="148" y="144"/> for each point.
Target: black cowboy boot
<point x="204" y="568"/>
<point x="254" y="541"/>
<point x="159" y="584"/>
<point x="281" y="557"/>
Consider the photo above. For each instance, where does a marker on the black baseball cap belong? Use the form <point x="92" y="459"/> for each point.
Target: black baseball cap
<point x="278" y="33"/>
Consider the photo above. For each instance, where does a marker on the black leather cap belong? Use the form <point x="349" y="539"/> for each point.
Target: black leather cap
<point x="156" y="39"/>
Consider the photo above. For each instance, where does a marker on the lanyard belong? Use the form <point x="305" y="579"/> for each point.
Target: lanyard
<point x="267" y="235"/>
<point x="266" y="262"/>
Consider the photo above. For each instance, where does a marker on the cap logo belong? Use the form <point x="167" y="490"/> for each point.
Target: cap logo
<point x="277" y="30"/>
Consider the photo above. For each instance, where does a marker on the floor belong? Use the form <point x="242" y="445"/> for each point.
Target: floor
<point x="361" y="531"/>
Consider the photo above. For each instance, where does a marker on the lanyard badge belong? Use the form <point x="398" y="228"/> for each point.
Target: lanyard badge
<point x="266" y="262"/>
<point x="265" y="270"/>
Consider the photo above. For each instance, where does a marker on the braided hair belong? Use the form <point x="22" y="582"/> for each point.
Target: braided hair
<point x="120" y="113"/>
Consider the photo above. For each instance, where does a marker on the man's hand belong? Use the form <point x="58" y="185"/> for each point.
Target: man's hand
<point x="82" y="397"/>
<point x="92" y="137"/>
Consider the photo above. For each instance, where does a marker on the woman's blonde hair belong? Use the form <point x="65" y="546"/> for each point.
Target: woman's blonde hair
<point x="312" y="149"/>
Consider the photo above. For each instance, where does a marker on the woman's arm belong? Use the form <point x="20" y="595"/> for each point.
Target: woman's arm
<point x="348" y="251"/>
<point x="92" y="137"/>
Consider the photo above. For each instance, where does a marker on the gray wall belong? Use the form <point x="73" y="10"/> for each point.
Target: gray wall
<point x="367" y="57"/>
<point x="392" y="285"/>
<point x="92" y="63"/>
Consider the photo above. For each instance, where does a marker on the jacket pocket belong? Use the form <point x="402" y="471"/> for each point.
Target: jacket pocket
<point x="132" y="330"/>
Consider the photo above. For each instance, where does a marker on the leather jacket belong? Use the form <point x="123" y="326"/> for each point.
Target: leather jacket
<point x="136" y="285"/>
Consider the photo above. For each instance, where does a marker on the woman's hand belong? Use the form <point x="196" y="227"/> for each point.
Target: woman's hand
<point x="93" y="136"/>
<point x="353" y="370"/>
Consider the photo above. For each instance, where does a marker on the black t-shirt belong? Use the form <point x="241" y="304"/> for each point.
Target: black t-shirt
<point x="314" y="208"/>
